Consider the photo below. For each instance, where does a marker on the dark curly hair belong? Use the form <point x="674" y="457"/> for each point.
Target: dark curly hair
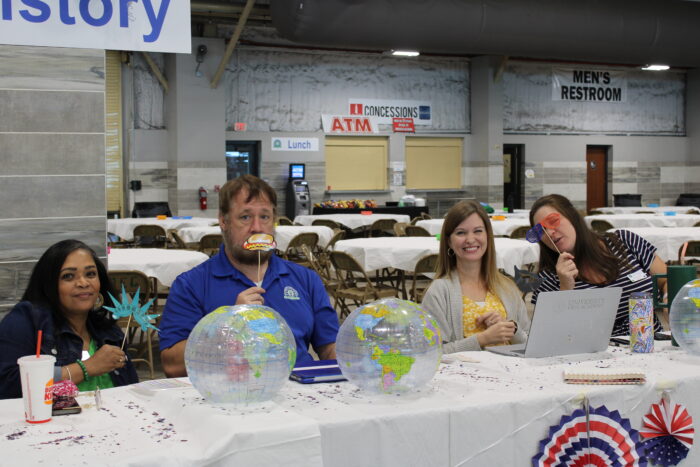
<point x="43" y="283"/>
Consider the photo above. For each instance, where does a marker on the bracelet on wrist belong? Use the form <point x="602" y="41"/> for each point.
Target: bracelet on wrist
<point x="82" y="366"/>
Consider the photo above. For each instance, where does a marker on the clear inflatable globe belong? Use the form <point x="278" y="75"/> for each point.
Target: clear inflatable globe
<point x="389" y="346"/>
<point x="685" y="317"/>
<point x="240" y="354"/>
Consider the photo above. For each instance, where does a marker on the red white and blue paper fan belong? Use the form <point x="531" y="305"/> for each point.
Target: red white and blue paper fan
<point x="667" y="433"/>
<point x="606" y="440"/>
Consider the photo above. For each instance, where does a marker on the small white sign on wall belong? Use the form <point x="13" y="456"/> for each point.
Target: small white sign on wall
<point x="294" y="144"/>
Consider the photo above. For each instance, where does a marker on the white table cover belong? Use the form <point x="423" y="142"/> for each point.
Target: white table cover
<point x="351" y="221"/>
<point x="165" y="265"/>
<point x="633" y="209"/>
<point x="646" y="220"/>
<point x="283" y="233"/>
<point x="501" y="228"/>
<point x="667" y="241"/>
<point x="125" y="227"/>
<point x="481" y="409"/>
<point x="404" y="252"/>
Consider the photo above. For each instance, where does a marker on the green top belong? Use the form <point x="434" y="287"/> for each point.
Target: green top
<point x="103" y="381"/>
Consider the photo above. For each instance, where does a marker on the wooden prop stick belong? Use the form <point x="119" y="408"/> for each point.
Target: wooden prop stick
<point x="127" y="331"/>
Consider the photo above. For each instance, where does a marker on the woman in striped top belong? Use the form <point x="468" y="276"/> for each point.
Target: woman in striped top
<point x="589" y="260"/>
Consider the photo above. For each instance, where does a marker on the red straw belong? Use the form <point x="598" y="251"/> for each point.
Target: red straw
<point x="38" y="344"/>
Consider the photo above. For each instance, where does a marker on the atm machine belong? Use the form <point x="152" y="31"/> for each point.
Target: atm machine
<point x="298" y="198"/>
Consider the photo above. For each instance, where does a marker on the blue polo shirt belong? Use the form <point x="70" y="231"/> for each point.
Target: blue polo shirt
<point x="294" y="291"/>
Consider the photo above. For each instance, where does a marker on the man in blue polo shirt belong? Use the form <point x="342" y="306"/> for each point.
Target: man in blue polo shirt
<point x="247" y="206"/>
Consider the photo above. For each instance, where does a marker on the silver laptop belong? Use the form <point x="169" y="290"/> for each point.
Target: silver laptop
<point x="568" y="322"/>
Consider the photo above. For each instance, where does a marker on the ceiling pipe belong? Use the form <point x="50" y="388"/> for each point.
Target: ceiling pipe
<point x="620" y="31"/>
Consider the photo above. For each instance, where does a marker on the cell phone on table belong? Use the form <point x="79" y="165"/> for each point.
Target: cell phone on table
<point x="65" y="406"/>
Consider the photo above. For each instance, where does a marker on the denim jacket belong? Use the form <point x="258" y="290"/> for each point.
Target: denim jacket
<point x="18" y="334"/>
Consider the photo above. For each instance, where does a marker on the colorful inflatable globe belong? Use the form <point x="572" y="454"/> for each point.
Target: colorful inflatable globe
<point x="240" y="354"/>
<point x="685" y="317"/>
<point x="389" y="346"/>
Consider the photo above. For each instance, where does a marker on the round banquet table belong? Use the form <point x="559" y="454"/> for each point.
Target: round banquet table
<point x="164" y="265"/>
<point x="501" y="228"/>
<point x="125" y="227"/>
<point x="283" y="233"/>
<point x="351" y="221"/>
<point x="404" y="252"/>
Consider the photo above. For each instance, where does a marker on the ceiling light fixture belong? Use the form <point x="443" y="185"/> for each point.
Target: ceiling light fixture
<point x="655" y="67"/>
<point x="405" y="53"/>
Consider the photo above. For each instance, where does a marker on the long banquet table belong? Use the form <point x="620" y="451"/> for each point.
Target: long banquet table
<point x="164" y="265"/>
<point x="404" y="252"/>
<point x="667" y="241"/>
<point x="635" y="209"/>
<point x="351" y="221"/>
<point x="480" y="409"/>
<point x="125" y="227"/>
<point x="501" y="228"/>
<point x="283" y="233"/>
<point x="646" y="220"/>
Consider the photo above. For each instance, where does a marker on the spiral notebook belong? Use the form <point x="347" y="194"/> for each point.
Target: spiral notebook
<point x="318" y="371"/>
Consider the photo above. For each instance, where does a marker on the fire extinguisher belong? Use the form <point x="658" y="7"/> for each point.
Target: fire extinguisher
<point x="202" y="198"/>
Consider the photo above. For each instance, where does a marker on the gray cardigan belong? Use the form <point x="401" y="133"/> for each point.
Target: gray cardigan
<point x="444" y="301"/>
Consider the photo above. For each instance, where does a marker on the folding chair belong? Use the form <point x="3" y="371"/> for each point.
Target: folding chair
<point x="400" y="229"/>
<point x="425" y="265"/>
<point x="355" y="285"/>
<point x="519" y="232"/>
<point x="150" y="236"/>
<point x="601" y="226"/>
<point x="284" y="220"/>
<point x="327" y="223"/>
<point x="133" y="281"/>
<point x="210" y="243"/>
<point x="294" y="252"/>
<point x="416" y="231"/>
<point x="382" y="228"/>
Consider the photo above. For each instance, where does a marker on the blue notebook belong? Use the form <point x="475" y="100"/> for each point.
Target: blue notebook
<point x="318" y="371"/>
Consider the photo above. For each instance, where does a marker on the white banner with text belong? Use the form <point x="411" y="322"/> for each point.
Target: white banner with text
<point x="590" y="85"/>
<point x="143" y="25"/>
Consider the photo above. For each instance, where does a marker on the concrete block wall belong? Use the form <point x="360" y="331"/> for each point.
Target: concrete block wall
<point x="52" y="148"/>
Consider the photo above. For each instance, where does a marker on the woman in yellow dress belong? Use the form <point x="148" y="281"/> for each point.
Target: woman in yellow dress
<point x="474" y="304"/>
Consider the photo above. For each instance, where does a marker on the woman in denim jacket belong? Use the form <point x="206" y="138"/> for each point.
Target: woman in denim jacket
<point x="64" y="299"/>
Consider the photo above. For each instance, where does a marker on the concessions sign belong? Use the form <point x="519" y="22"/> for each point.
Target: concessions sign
<point x="403" y="125"/>
<point x="386" y="110"/>
<point x="349" y="124"/>
<point x="590" y="85"/>
<point x="146" y="25"/>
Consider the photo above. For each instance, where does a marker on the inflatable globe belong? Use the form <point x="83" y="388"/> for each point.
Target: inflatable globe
<point x="389" y="346"/>
<point x="685" y="317"/>
<point x="240" y="354"/>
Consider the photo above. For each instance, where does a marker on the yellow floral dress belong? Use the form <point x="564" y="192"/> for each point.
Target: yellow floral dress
<point x="472" y="310"/>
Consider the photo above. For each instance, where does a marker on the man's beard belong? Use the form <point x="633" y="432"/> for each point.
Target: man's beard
<point x="248" y="257"/>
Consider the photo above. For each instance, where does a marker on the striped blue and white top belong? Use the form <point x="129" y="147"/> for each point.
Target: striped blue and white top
<point x="639" y="254"/>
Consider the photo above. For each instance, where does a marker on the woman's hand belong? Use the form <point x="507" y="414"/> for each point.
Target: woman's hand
<point x="488" y="319"/>
<point x="567" y="271"/>
<point x="106" y="359"/>
<point x="499" y="333"/>
<point x="251" y="296"/>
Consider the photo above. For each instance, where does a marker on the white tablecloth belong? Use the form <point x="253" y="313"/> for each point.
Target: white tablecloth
<point x="501" y="228"/>
<point x="646" y="220"/>
<point x="352" y="221"/>
<point x="633" y="209"/>
<point x="404" y="252"/>
<point x="165" y="265"/>
<point x="488" y="410"/>
<point x="125" y="227"/>
<point x="283" y="233"/>
<point x="667" y="241"/>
